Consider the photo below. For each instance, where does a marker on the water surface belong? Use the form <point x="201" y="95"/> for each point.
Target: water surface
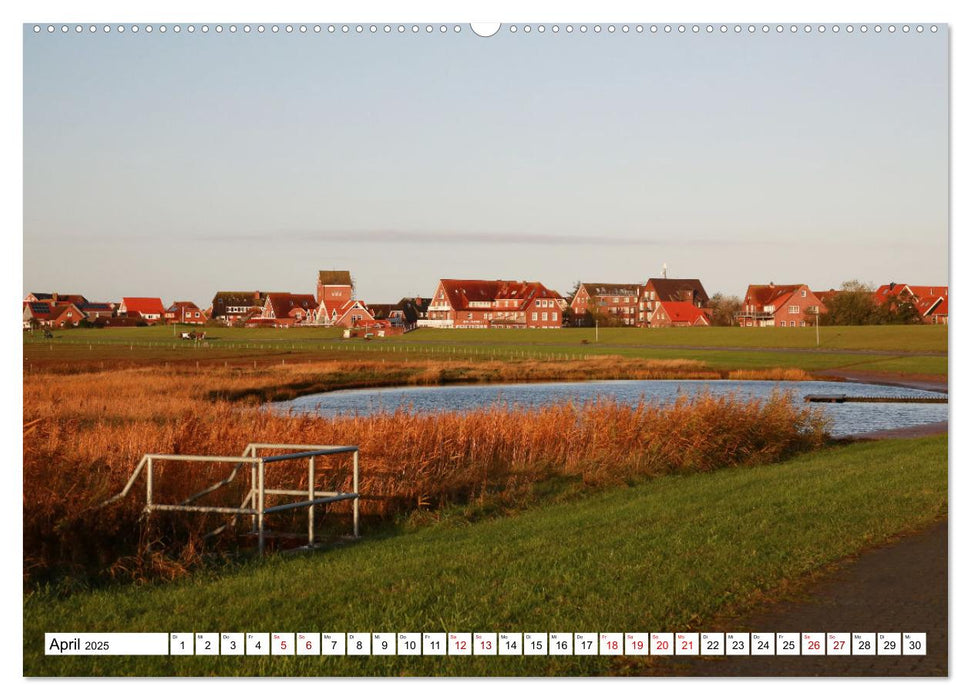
<point x="847" y="418"/>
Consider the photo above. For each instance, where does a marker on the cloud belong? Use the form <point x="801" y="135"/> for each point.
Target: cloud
<point x="390" y="236"/>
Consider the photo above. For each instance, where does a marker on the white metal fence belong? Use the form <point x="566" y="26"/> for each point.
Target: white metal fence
<point x="254" y="503"/>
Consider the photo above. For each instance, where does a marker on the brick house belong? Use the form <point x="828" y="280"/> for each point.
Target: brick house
<point x="661" y="289"/>
<point x="681" y="314"/>
<point x="616" y="303"/>
<point x="185" y="312"/>
<point x="931" y="301"/>
<point x="782" y="305"/>
<point x="232" y="308"/>
<point x="286" y="309"/>
<point x="52" y="314"/>
<point x="493" y="304"/>
<point x="148" y="309"/>
<point x="94" y="310"/>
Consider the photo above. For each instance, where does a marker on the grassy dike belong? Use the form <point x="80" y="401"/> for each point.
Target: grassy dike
<point x="667" y="554"/>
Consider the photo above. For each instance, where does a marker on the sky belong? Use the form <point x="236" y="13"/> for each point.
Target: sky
<point x="176" y="165"/>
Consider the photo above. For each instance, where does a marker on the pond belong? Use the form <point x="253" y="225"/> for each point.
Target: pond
<point x="847" y="418"/>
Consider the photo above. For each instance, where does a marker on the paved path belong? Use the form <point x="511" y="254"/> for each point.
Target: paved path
<point x="899" y="587"/>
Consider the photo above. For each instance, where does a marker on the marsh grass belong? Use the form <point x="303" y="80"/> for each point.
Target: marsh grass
<point x="85" y="432"/>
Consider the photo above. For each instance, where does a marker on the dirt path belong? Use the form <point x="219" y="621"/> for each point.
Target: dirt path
<point x="899" y="587"/>
<point x="913" y="431"/>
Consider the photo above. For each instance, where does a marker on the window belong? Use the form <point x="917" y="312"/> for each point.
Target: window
<point x="554" y="316"/>
<point x="534" y="315"/>
<point x="545" y="316"/>
<point x="804" y="294"/>
<point x="616" y="300"/>
<point x="793" y="309"/>
<point x="783" y="324"/>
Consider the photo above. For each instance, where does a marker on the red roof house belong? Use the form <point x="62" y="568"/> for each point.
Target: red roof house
<point x="679" y="314"/>
<point x="149" y="309"/>
<point x="286" y="309"/>
<point x="493" y="304"/>
<point x="931" y="301"/>
<point x="783" y="305"/>
<point x="185" y="312"/>
<point x="52" y="314"/>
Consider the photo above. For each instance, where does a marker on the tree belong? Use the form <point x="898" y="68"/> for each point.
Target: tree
<point x="899" y="309"/>
<point x="853" y="305"/>
<point x="723" y="309"/>
<point x="573" y="292"/>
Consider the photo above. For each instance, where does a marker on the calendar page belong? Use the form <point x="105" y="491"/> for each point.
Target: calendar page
<point x="421" y="346"/>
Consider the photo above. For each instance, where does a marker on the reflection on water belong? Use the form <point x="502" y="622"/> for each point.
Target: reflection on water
<point x="847" y="418"/>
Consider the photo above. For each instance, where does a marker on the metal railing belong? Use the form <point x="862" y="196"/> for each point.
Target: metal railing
<point x="254" y="503"/>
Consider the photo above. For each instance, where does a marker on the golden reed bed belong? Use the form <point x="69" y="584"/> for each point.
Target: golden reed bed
<point x="84" y="432"/>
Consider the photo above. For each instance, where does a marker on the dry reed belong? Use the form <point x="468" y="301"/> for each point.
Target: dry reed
<point x="87" y="431"/>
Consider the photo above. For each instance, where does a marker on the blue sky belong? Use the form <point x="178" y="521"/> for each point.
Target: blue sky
<point x="175" y="165"/>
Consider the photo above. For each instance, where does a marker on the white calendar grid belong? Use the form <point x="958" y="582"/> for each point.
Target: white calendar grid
<point x="487" y="644"/>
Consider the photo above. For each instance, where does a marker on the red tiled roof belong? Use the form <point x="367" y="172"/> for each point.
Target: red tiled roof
<point x="179" y="305"/>
<point x="920" y="292"/>
<point x="283" y="303"/>
<point x="683" y="312"/>
<point x="769" y="294"/>
<point x="339" y="308"/>
<point x="143" y="305"/>
<point x="932" y="305"/>
<point x="462" y="293"/>
<point x="610" y="289"/>
<point x="47" y="310"/>
<point x="679" y="289"/>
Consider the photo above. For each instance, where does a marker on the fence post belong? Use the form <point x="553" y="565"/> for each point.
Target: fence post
<point x="357" y="498"/>
<point x="261" y="505"/>
<point x="148" y="487"/>
<point x="310" y="511"/>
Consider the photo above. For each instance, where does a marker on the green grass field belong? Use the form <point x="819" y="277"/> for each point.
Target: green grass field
<point x="664" y="555"/>
<point x="888" y="349"/>
<point x="910" y="339"/>
<point x="884" y="338"/>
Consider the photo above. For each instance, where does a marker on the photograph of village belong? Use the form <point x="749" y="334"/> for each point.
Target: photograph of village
<point x="401" y="330"/>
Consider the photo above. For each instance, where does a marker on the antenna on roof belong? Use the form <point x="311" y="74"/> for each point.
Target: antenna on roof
<point x="664" y="272"/>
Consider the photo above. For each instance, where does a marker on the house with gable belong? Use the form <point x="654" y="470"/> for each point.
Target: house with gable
<point x="185" y="312"/>
<point x="234" y="308"/>
<point x="614" y="302"/>
<point x="672" y="290"/>
<point x="52" y="314"/>
<point x="493" y="304"/>
<point x="148" y="309"/>
<point x="679" y="314"/>
<point x="930" y="301"/>
<point x="781" y="305"/>
<point x="285" y="309"/>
